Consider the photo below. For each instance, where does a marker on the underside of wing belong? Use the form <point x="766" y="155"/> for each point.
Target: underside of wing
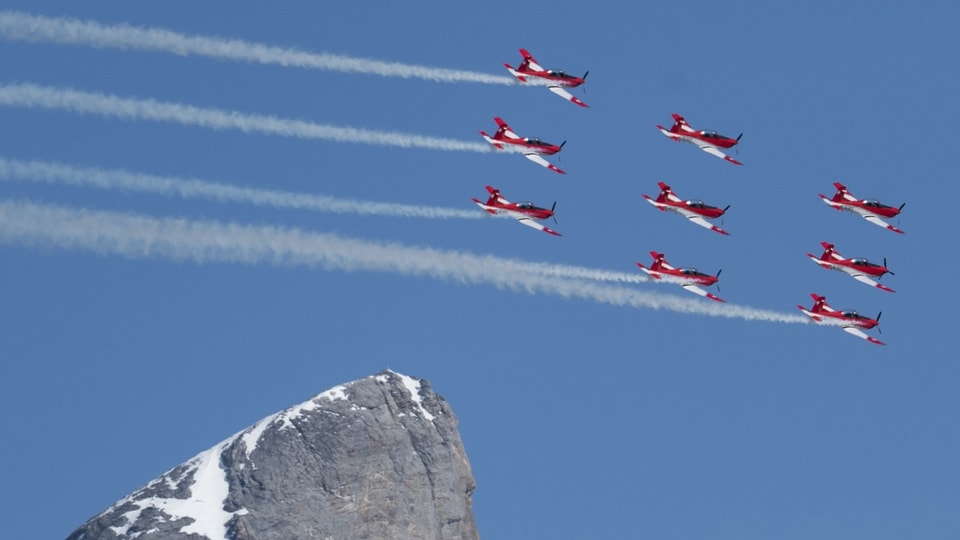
<point x="710" y="149"/>
<point x="538" y="159"/>
<point x="701" y="221"/>
<point x="853" y="330"/>
<point x="697" y="290"/>
<point x="862" y="278"/>
<point x="562" y="92"/>
<point x="877" y="221"/>
<point x="530" y="222"/>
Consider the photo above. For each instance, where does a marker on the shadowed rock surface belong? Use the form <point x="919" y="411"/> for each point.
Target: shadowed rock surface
<point x="378" y="458"/>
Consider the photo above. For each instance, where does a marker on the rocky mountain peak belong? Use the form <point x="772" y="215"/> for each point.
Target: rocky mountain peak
<point x="376" y="458"/>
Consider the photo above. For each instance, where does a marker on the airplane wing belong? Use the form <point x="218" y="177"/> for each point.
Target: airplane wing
<point x="877" y="221"/>
<point x="529" y="222"/>
<point x="862" y="278"/>
<point x="861" y="334"/>
<point x="710" y="149"/>
<point x="562" y="92"/>
<point x="536" y="158"/>
<point x="697" y="290"/>
<point x="692" y="216"/>
<point x="701" y="221"/>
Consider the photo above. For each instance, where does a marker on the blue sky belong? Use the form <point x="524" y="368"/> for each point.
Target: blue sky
<point x="580" y="418"/>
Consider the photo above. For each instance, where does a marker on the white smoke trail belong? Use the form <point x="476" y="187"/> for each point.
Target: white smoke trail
<point x="31" y="95"/>
<point x="190" y="188"/>
<point x="47" y="172"/>
<point x="135" y="237"/>
<point x="34" y="28"/>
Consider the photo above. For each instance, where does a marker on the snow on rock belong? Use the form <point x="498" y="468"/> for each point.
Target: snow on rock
<point x="375" y="458"/>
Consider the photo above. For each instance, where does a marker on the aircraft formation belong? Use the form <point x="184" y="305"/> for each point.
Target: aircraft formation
<point x="696" y="211"/>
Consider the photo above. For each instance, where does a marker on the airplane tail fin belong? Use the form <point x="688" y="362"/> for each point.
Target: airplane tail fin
<point x="658" y="260"/>
<point x="494" y="195"/>
<point x="818" y="303"/>
<point x="678" y="123"/>
<point x="841" y="193"/>
<point x="527" y="58"/>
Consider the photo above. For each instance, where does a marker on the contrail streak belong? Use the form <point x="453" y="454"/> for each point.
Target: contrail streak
<point x="139" y="237"/>
<point x="58" y="173"/>
<point x="20" y="26"/>
<point x="189" y="188"/>
<point x="31" y="95"/>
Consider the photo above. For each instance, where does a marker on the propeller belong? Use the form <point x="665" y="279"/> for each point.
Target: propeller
<point x="553" y="210"/>
<point x="738" y="137"/>
<point x="901" y="207"/>
<point x="718" y="273"/>
<point x="885" y="266"/>
<point x="585" y="75"/>
<point x="725" y="209"/>
<point x="561" y="145"/>
<point x="878" y="317"/>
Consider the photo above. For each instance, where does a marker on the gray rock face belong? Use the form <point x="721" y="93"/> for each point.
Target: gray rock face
<point x="379" y="458"/>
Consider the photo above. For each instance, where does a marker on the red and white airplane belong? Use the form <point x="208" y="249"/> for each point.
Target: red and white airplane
<point x="531" y="148"/>
<point x="851" y="321"/>
<point x="709" y="141"/>
<point x="556" y="81"/>
<point x="696" y="211"/>
<point x="688" y="278"/>
<point x="524" y="212"/>
<point x="869" y="209"/>
<point x="861" y="269"/>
